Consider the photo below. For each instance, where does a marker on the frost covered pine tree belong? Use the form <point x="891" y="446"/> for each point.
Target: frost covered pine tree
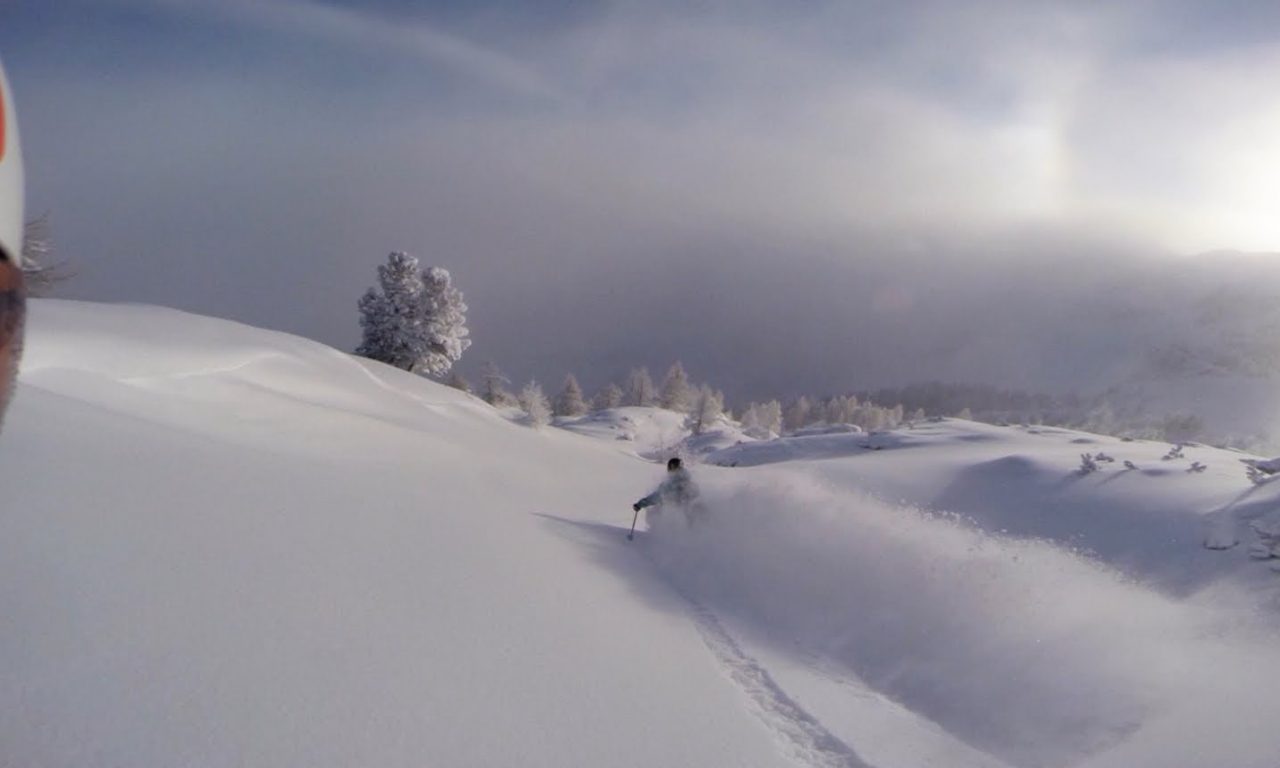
<point x="444" y="317"/>
<point x="390" y="318"/>
<point x="609" y="397"/>
<point x="417" y="321"/>
<point x="378" y="327"/>
<point x="797" y="414"/>
<point x="708" y="406"/>
<point x="535" y="405"/>
<point x="870" y="417"/>
<point x="570" y="401"/>
<point x="763" y="419"/>
<point x="493" y="388"/>
<point x="677" y="394"/>
<point x="640" y="389"/>
<point x="770" y="415"/>
<point x="841" y="409"/>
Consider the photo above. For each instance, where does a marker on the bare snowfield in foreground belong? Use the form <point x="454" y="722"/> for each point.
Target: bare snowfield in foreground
<point x="224" y="546"/>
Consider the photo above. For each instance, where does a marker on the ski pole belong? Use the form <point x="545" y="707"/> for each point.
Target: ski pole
<point x="632" y="534"/>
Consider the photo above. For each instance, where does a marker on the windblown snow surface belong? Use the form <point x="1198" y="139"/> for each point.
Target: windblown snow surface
<point x="223" y="546"/>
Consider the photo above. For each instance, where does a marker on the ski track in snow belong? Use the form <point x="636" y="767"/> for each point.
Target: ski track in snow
<point x="800" y="733"/>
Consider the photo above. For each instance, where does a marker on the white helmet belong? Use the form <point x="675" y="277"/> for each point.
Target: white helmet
<point x="11" y="196"/>
<point x="12" y="295"/>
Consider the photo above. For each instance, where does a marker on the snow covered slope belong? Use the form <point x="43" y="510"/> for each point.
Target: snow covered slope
<point x="222" y="546"/>
<point x="1148" y="517"/>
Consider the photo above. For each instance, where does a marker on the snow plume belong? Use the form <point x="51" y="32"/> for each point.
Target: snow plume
<point x="1032" y="653"/>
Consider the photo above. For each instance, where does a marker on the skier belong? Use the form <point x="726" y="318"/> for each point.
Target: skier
<point x="676" y="491"/>
<point x="12" y="289"/>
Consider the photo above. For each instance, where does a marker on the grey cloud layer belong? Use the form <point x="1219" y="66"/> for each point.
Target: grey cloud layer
<point x="641" y="182"/>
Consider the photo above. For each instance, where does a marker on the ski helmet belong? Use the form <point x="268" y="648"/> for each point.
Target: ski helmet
<point x="11" y="195"/>
<point x="12" y="293"/>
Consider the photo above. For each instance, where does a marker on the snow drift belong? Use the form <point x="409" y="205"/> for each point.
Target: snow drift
<point x="1035" y="654"/>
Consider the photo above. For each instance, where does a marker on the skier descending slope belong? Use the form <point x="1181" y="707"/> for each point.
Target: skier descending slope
<point x="677" y="491"/>
<point x="12" y="291"/>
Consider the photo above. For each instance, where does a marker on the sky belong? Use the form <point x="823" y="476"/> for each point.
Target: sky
<point x="789" y="197"/>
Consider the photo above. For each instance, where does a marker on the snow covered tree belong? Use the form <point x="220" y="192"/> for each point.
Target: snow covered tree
<point x="608" y="397"/>
<point x="840" y="409"/>
<point x="832" y="411"/>
<point x="535" y="405"/>
<point x="640" y="390"/>
<point x="378" y="327"/>
<point x="444" y="316"/>
<point x="458" y="382"/>
<point x="872" y="417"/>
<point x="770" y="417"/>
<point x="708" y="405"/>
<point x="677" y="394"/>
<point x="797" y="414"/>
<point x="417" y="321"/>
<point x="391" y="318"/>
<point x="762" y="419"/>
<point x="493" y="386"/>
<point x="570" y="401"/>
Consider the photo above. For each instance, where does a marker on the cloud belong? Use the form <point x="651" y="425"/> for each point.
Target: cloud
<point x="1184" y="148"/>
<point x="372" y="31"/>
<point x="841" y="196"/>
<point x="921" y="117"/>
